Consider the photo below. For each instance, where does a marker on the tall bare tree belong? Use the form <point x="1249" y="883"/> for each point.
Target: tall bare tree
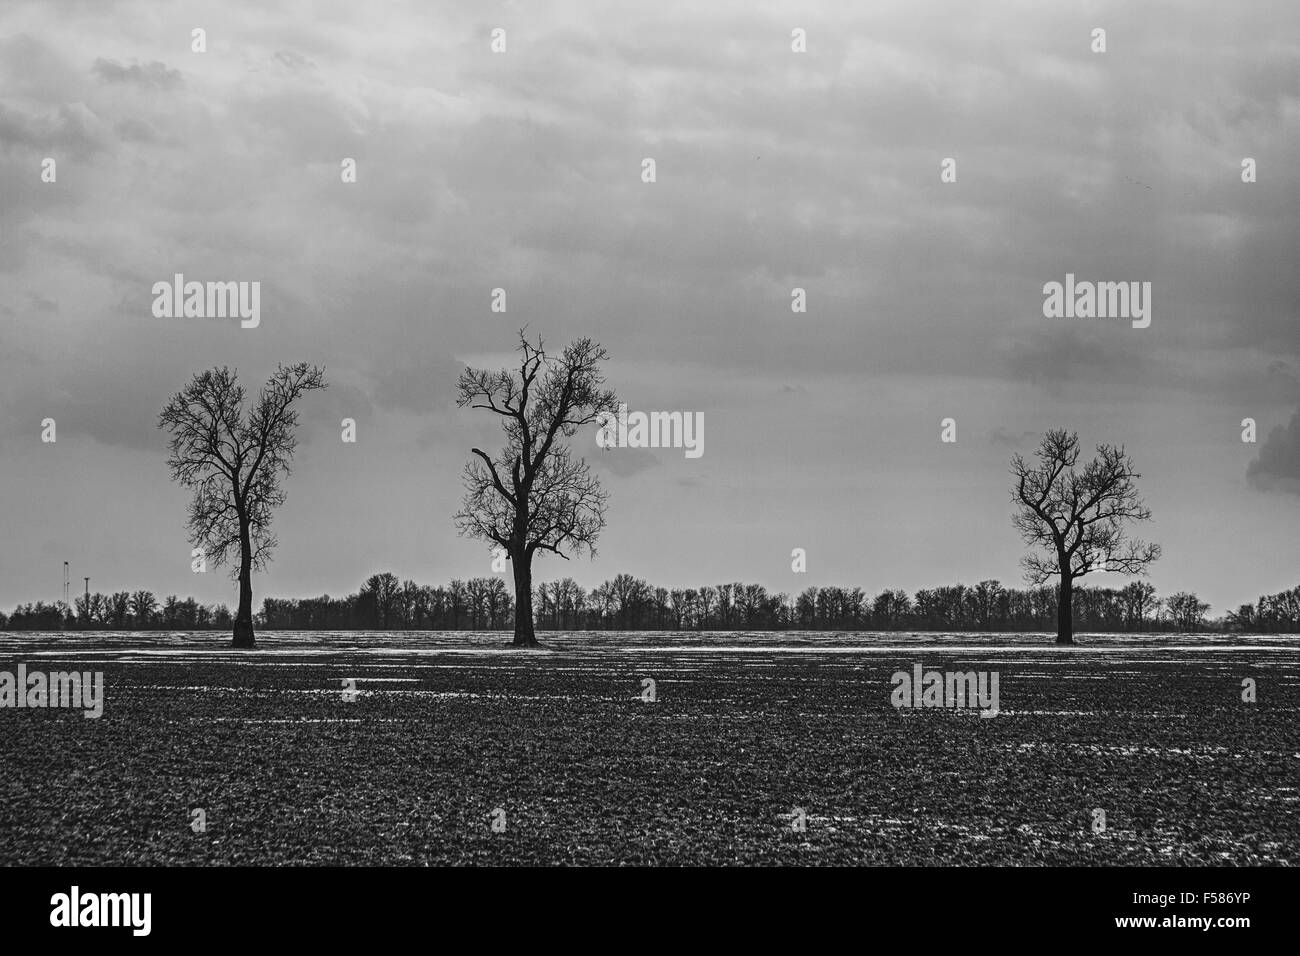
<point x="535" y="496"/>
<point x="1076" y="519"/>
<point x="235" y="459"/>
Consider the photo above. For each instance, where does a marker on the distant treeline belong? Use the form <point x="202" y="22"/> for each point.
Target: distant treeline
<point x="628" y="603"/>
<point x="121" y="611"/>
<point x="386" y="603"/>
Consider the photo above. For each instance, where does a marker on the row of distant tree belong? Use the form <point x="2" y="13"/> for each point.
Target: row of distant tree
<point x="630" y="603"/>
<point x="627" y="603"/>
<point x="1271" y="614"/>
<point x="120" y="611"/>
<point x="387" y="603"/>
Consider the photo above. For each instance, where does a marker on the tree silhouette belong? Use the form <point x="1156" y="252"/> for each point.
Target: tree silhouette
<point x="143" y="608"/>
<point x="1139" y="600"/>
<point x="1076" y="518"/>
<point x="1186" y="610"/>
<point x="534" y="496"/>
<point x="235" y="460"/>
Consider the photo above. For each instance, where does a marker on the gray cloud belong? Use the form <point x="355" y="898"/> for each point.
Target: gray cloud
<point x="1277" y="467"/>
<point x="1002" y="437"/>
<point x="155" y="75"/>
<point x="1057" y="356"/>
<point x="423" y="386"/>
<point x="1283" y="379"/>
<point x="135" y="131"/>
<point x="293" y="61"/>
<point x="71" y="128"/>
<point x="32" y="68"/>
<point x="622" y="462"/>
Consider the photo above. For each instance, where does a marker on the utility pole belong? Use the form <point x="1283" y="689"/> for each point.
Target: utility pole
<point x="65" y="582"/>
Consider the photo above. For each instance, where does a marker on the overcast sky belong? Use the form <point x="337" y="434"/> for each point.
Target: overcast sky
<point x="775" y="170"/>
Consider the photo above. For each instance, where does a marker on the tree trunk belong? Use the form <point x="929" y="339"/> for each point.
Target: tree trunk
<point x="524" y="633"/>
<point x="244" y="616"/>
<point x="1065" y="611"/>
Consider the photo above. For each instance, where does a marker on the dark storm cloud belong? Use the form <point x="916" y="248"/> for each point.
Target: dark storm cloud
<point x="1277" y="468"/>
<point x="108" y="410"/>
<point x="1263" y="273"/>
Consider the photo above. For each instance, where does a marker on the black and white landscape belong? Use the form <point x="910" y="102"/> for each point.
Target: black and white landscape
<point x="358" y="505"/>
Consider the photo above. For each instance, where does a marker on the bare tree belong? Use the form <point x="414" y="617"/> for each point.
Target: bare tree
<point x="1076" y="518"/>
<point x="496" y="601"/>
<point x="98" y="608"/>
<point x="383" y="589"/>
<point x="457" y="601"/>
<point x="708" y="598"/>
<point x="476" y="588"/>
<point x="1186" y="611"/>
<point x="143" y="608"/>
<point x="235" y="460"/>
<point x="119" y="609"/>
<point x="1139" y="600"/>
<point x="630" y="595"/>
<point x="680" y="606"/>
<point x="534" y="496"/>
